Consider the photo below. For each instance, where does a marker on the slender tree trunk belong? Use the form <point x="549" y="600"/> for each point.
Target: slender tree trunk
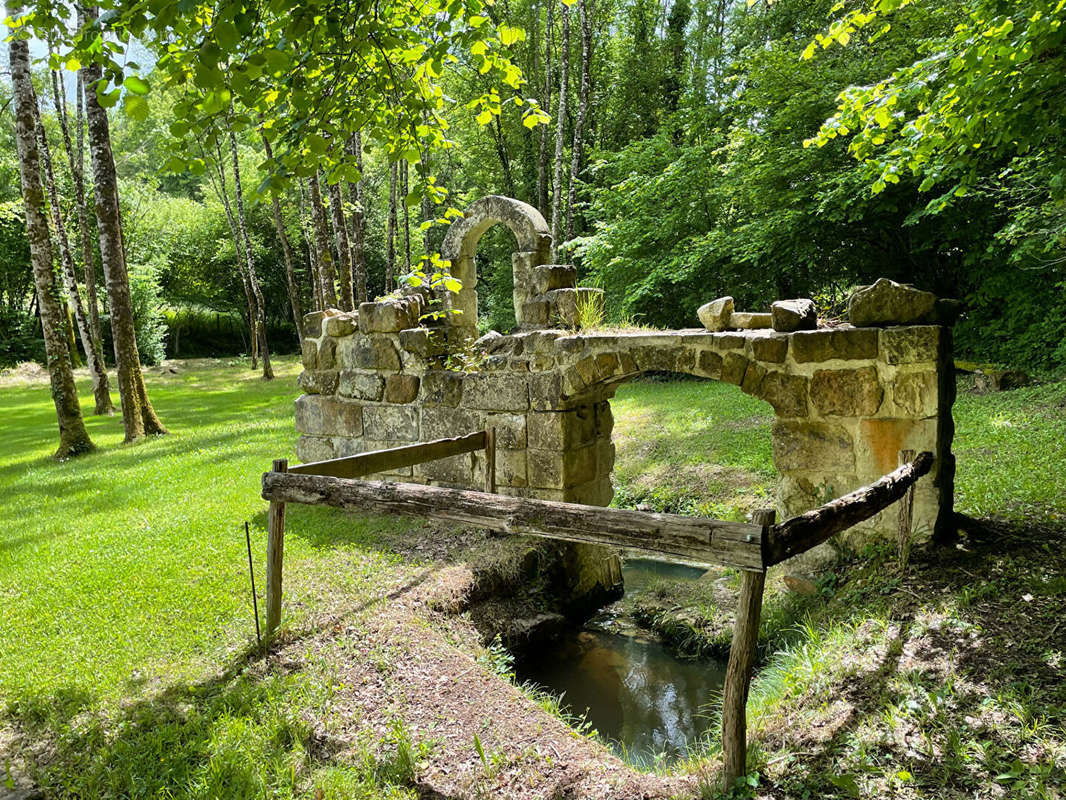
<point x="72" y="342"/>
<point x="358" y="201"/>
<point x="326" y="275"/>
<point x="404" y="191"/>
<point x="88" y="252"/>
<point x="307" y="229"/>
<point x="582" y="112"/>
<point x="344" y="250"/>
<point x="138" y="416"/>
<point x="73" y="438"/>
<point x="560" y="134"/>
<point x="222" y="189"/>
<point x="286" y="252"/>
<point x="88" y="328"/>
<point x="253" y="279"/>
<point x="543" y="179"/>
<point x="390" y="231"/>
<point x="92" y="350"/>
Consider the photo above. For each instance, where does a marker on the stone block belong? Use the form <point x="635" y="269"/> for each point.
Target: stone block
<point x="442" y="388"/>
<point x="456" y="470"/>
<point x="915" y="394"/>
<point x="751" y="383"/>
<point x="535" y="313"/>
<point x="360" y="385"/>
<point x="344" y="446"/>
<point x="594" y="493"/>
<point x="561" y="430"/>
<point x="911" y="345"/>
<point x="846" y="392"/>
<point x="665" y="358"/>
<point x="510" y="430"/>
<point x="423" y="342"/>
<point x="802" y="444"/>
<point x="369" y="352"/>
<point x="709" y="364"/>
<point x="327" y="352"/>
<point x="314" y="448"/>
<point x="511" y="468"/>
<point x="309" y="354"/>
<point x="312" y="323"/>
<point x="772" y="348"/>
<point x="552" y="276"/>
<point x="750" y="320"/>
<point x="794" y="315"/>
<point x="401" y="388"/>
<point x="545" y="468"/>
<point x="881" y="440"/>
<point x="507" y="392"/>
<point x="445" y="423"/>
<point x="391" y="423"/>
<point x="715" y="315"/>
<point x="546" y="391"/>
<point x="786" y="393"/>
<point x="889" y="303"/>
<point x="388" y="316"/>
<point x="341" y="325"/>
<point x="728" y="341"/>
<point x="734" y="366"/>
<point x="318" y="381"/>
<point x="553" y="469"/>
<point x="328" y="416"/>
<point x="848" y="344"/>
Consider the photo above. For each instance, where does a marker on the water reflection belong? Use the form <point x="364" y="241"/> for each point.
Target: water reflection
<point x="639" y="696"/>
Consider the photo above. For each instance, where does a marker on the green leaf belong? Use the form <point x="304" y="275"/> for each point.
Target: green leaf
<point x="136" y="85"/>
<point x="136" y="107"/>
<point x="452" y="284"/>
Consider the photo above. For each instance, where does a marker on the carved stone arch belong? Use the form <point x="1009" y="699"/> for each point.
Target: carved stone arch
<point x="533" y="250"/>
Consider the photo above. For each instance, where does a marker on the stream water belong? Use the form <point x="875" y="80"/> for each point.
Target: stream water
<point x="644" y="701"/>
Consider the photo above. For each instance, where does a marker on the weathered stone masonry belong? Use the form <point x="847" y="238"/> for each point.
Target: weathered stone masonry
<point x="846" y="400"/>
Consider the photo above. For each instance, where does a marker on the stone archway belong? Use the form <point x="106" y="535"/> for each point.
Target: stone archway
<point x="543" y="292"/>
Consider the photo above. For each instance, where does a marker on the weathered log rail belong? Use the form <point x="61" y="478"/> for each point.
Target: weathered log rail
<point x="751" y="548"/>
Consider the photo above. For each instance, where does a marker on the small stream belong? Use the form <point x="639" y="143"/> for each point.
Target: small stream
<point x="644" y="701"/>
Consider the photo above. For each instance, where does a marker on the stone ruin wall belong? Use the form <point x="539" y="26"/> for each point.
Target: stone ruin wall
<point x="847" y="400"/>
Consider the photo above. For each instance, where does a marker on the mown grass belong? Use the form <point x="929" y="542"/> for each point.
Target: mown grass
<point x="127" y="624"/>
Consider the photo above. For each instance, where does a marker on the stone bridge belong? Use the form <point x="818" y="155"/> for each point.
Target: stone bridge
<point x="846" y="399"/>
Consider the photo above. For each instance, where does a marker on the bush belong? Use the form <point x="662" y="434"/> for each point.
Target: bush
<point x="148" y="321"/>
<point x="205" y="333"/>
<point x="19" y="338"/>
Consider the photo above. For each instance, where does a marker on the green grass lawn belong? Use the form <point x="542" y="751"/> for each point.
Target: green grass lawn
<point x="123" y="575"/>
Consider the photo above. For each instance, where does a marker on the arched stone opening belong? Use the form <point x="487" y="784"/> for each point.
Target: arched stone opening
<point x="544" y="293"/>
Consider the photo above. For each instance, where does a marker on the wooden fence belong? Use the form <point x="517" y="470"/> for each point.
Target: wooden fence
<point x="751" y="548"/>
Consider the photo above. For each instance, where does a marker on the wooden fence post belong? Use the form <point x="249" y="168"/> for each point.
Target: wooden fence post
<point x="490" y="460"/>
<point x="741" y="661"/>
<point x="275" y="555"/>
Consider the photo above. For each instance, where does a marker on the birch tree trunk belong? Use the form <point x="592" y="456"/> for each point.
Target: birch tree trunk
<point x="101" y="383"/>
<point x="222" y="190"/>
<point x="73" y="438"/>
<point x="358" y="201"/>
<point x="326" y="274"/>
<point x="88" y="252"/>
<point x="582" y="113"/>
<point x="66" y="260"/>
<point x="286" y="252"/>
<point x="543" y="179"/>
<point x="344" y="250"/>
<point x="307" y="229"/>
<point x="138" y="416"/>
<point x="406" y="216"/>
<point x="390" y="231"/>
<point x="560" y="134"/>
<point x="253" y="279"/>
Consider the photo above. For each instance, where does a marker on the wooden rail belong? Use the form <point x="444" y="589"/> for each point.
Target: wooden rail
<point x="733" y="544"/>
<point x="751" y="548"/>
